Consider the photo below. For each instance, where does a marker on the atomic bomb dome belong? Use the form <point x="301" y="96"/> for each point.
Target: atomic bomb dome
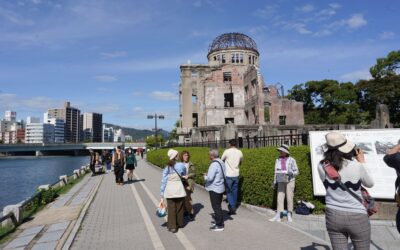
<point x="237" y="41"/>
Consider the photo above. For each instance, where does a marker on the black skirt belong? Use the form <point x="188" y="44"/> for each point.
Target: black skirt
<point x="130" y="166"/>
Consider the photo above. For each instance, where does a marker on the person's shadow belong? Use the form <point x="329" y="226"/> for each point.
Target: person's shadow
<point x="134" y="181"/>
<point x="197" y="207"/>
<point x="314" y="247"/>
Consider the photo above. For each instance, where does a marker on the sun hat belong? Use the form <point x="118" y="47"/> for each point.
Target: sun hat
<point x="172" y="153"/>
<point x="284" y="148"/>
<point x="336" y="140"/>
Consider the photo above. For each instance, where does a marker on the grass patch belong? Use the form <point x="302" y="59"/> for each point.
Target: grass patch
<point x="5" y="232"/>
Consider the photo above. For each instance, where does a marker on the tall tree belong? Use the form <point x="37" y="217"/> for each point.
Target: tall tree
<point x="386" y="66"/>
<point x="384" y="90"/>
<point x="328" y="102"/>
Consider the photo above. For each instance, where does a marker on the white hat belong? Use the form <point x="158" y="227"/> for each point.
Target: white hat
<point x="284" y="148"/>
<point x="336" y="140"/>
<point x="172" y="153"/>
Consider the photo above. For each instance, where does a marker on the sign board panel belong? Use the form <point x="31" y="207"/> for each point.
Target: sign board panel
<point x="374" y="143"/>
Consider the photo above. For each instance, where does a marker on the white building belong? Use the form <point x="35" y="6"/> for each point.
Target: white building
<point x="10" y="116"/>
<point x="119" y="136"/>
<point x="128" y="138"/>
<point x="39" y="133"/>
<point x="108" y="134"/>
<point x="59" y="127"/>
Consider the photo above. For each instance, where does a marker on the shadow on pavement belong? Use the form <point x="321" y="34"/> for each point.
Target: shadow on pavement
<point x="315" y="246"/>
<point x="197" y="207"/>
<point x="133" y="181"/>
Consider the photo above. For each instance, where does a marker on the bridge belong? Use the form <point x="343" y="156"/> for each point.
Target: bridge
<point x="38" y="149"/>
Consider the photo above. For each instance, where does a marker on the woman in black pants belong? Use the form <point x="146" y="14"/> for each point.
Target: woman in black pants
<point x="118" y="161"/>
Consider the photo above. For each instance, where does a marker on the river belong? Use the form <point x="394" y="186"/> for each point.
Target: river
<point x="20" y="176"/>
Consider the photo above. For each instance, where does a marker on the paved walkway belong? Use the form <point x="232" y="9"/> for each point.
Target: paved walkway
<point x="123" y="217"/>
<point x="98" y="214"/>
<point x="51" y="227"/>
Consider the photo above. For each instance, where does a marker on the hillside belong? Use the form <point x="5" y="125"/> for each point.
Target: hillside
<point x="137" y="134"/>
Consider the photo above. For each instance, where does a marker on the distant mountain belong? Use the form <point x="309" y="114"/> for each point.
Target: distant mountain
<point x="137" y="134"/>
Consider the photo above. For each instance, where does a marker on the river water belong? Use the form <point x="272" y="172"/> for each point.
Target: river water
<point x="19" y="177"/>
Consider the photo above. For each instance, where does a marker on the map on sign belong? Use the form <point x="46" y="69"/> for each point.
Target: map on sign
<point x="374" y="143"/>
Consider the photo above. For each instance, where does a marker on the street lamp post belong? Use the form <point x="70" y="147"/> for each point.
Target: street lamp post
<point x="155" y="116"/>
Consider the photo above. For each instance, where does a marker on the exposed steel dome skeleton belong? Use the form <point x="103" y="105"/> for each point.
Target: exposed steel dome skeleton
<point x="232" y="41"/>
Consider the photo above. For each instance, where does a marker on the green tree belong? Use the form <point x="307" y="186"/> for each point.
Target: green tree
<point x="151" y="141"/>
<point x="173" y="135"/>
<point x="380" y="90"/>
<point x="386" y="66"/>
<point x="328" y="102"/>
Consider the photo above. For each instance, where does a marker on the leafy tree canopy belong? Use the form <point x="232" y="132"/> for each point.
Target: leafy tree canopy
<point x="386" y="66"/>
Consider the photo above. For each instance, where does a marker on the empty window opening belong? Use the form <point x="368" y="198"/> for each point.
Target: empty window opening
<point x="228" y="100"/>
<point x="229" y="120"/>
<point x="241" y="58"/>
<point x="282" y="120"/>
<point x="194" y="99"/>
<point x="249" y="59"/>
<point x="227" y="76"/>
<point x="223" y="58"/>
<point x="247" y="114"/>
<point x="195" y="120"/>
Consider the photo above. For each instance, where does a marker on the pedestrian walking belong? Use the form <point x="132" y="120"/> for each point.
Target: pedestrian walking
<point x="173" y="191"/>
<point x="118" y="161"/>
<point x="108" y="160"/>
<point x="131" y="163"/>
<point x="345" y="215"/>
<point x="215" y="185"/>
<point x="285" y="172"/>
<point x="189" y="187"/>
<point x="92" y="162"/>
<point x="392" y="159"/>
<point x="233" y="158"/>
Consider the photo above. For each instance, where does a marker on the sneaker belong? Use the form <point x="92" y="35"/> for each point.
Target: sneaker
<point x="277" y="218"/>
<point x="289" y="217"/>
<point x="216" y="228"/>
<point x="213" y="223"/>
<point x="173" y="230"/>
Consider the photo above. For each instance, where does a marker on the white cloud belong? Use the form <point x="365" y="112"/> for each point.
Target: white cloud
<point x="115" y="54"/>
<point x="164" y="95"/>
<point x="137" y="109"/>
<point x="299" y="28"/>
<point x="267" y="12"/>
<point x="137" y="93"/>
<point x="306" y="8"/>
<point x="322" y="33"/>
<point x="386" y="35"/>
<point x="197" y="4"/>
<point x="105" y="78"/>
<point x="103" y="90"/>
<point x="356" y="75"/>
<point x="335" y="6"/>
<point x="356" y="21"/>
<point x="14" y="18"/>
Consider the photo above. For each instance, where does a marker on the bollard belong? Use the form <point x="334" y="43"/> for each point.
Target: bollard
<point x="77" y="173"/>
<point x="44" y="187"/>
<point x="83" y="169"/>
<point x="63" y="180"/>
<point x="16" y="210"/>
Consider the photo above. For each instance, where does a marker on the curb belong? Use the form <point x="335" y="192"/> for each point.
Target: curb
<point x="71" y="237"/>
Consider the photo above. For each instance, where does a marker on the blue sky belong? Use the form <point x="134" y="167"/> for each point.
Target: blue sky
<point x="121" y="58"/>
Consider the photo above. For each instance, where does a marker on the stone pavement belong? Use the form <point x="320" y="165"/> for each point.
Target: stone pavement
<point x="50" y="227"/>
<point x="123" y="217"/>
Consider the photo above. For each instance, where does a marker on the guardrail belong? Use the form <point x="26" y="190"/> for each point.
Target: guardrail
<point x="17" y="214"/>
<point x="250" y="142"/>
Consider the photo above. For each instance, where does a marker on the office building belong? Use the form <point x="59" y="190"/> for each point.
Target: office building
<point x="71" y="117"/>
<point x="92" y="127"/>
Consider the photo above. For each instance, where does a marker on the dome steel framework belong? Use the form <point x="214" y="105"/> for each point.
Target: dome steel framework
<point x="232" y="41"/>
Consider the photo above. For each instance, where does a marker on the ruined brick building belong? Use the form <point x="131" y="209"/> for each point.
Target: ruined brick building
<point x="227" y="98"/>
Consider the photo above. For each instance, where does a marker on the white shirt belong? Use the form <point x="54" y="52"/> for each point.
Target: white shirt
<point x="232" y="158"/>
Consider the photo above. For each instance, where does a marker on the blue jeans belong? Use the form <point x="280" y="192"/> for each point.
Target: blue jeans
<point x="232" y="192"/>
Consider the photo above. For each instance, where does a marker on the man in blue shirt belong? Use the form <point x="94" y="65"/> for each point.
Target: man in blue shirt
<point x="215" y="185"/>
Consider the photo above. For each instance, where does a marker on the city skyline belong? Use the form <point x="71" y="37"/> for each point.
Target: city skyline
<point x="122" y="60"/>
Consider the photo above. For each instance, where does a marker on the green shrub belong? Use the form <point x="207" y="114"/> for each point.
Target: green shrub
<point x="256" y="173"/>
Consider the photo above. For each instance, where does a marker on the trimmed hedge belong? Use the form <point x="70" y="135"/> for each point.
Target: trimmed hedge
<point x="256" y="173"/>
